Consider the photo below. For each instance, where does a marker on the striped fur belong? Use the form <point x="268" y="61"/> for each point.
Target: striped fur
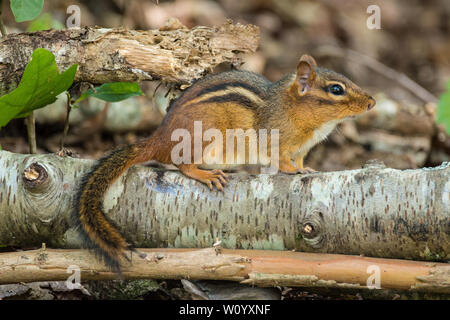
<point x="98" y="232"/>
<point x="229" y="100"/>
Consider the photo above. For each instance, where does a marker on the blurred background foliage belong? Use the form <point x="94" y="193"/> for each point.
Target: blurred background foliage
<point x="413" y="42"/>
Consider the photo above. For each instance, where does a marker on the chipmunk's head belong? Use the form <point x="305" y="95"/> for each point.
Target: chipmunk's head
<point x="328" y="94"/>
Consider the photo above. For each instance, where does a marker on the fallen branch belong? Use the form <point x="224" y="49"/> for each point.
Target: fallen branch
<point x="256" y="267"/>
<point x="374" y="211"/>
<point x="107" y="55"/>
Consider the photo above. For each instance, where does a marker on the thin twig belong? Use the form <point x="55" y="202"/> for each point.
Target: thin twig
<point x="66" y="122"/>
<point x="31" y="130"/>
<point x="2" y="26"/>
<point x="379" y="67"/>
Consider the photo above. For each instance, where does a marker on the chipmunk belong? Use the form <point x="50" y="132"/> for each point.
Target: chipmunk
<point x="305" y="106"/>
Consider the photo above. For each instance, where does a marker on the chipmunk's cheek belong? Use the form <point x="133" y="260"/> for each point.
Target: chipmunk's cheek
<point x="360" y="106"/>
<point x="352" y="108"/>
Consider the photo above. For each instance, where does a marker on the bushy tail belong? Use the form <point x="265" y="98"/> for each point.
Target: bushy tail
<point x="98" y="232"/>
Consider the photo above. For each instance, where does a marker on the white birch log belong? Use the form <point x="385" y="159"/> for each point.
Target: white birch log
<point x="374" y="211"/>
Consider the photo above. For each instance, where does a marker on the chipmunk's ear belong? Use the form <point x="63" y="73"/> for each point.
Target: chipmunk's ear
<point x="305" y="73"/>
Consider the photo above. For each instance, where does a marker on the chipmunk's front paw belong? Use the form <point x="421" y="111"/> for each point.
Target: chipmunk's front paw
<point x="212" y="178"/>
<point x="306" y="170"/>
<point x="217" y="178"/>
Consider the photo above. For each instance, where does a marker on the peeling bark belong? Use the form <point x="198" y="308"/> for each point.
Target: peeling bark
<point x="108" y="55"/>
<point x="374" y="211"/>
<point x="255" y="267"/>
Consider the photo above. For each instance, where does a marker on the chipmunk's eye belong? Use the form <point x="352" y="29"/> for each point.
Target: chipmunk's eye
<point x="336" y="89"/>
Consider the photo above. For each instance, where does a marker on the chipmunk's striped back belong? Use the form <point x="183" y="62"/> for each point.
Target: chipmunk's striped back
<point x="304" y="106"/>
<point x="246" y="88"/>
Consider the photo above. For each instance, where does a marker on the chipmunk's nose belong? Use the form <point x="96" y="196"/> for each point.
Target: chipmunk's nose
<point x="371" y="104"/>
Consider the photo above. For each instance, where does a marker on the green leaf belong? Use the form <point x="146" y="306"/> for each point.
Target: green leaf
<point x="44" y="22"/>
<point x="40" y="84"/>
<point x="25" y="10"/>
<point x="443" y="111"/>
<point x="113" y="92"/>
